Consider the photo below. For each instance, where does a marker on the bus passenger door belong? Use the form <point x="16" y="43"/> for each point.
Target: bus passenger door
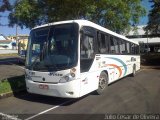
<point x="86" y="60"/>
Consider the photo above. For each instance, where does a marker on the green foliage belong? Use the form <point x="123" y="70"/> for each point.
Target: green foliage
<point x="4" y="5"/>
<point x="4" y="87"/>
<point x="154" y="18"/>
<point x="116" y="15"/>
<point x="22" y="45"/>
<point x="14" y="84"/>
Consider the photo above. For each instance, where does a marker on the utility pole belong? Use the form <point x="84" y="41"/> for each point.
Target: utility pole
<point x="148" y="48"/>
<point x="17" y="41"/>
<point x="16" y="33"/>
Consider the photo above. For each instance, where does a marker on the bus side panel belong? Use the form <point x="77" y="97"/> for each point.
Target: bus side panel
<point x="89" y="80"/>
<point x="138" y="63"/>
<point x="122" y="65"/>
<point x="116" y="66"/>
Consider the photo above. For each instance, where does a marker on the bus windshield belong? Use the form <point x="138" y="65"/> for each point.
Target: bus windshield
<point x="53" y="48"/>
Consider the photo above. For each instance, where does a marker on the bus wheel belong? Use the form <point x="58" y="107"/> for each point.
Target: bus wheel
<point x="103" y="83"/>
<point x="134" y="70"/>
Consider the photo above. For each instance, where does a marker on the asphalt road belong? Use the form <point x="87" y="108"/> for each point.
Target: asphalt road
<point x="10" y="67"/>
<point x="130" y="95"/>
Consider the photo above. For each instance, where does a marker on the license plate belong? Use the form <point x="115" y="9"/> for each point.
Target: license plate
<point x="43" y="86"/>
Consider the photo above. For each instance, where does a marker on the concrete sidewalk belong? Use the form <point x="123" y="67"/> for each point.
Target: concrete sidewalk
<point x="149" y="67"/>
<point x="8" y="51"/>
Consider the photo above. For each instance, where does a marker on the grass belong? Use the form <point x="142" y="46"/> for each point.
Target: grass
<point x="5" y="87"/>
<point x="14" y="84"/>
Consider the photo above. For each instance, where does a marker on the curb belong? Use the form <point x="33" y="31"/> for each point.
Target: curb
<point x="5" y="95"/>
<point x="150" y="67"/>
<point x="9" y="94"/>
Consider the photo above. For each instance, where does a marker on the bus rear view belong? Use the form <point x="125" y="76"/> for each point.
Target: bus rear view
<point x="52" y="58"/>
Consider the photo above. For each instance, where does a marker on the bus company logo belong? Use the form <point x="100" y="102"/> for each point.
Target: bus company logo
<point x="133" y="59"/>
<point x="54" y="74"/>
<point x="32" y="73"/>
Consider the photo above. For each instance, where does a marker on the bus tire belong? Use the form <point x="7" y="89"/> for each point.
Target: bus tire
<point x="134" y="71"/>
<point x="103" y="83"/>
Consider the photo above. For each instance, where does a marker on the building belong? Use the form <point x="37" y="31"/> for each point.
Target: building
<point x="14" y="42"/>
<point x="2" y="37"/>
<point x="6" y="43"/>
<point x="148" y="42"/>
<point x="22" y="41"/>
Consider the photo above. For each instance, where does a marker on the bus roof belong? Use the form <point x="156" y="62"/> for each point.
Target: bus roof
<point x="90" y="24"/>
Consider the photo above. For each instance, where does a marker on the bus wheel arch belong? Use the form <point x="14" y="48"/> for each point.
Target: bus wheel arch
<point x="103" y="82"/>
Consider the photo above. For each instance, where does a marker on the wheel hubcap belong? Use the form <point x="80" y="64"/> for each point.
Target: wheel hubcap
<point x="102" y="82"/>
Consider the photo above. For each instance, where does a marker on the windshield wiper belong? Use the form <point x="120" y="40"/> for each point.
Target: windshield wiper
<point x="42" y="53"/>
<point x="51" y="66"/>
<point x="34" y="62"/>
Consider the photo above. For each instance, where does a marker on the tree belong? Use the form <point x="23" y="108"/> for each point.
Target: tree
<point x="116" y="15"/>
<point x="4" y="5"/>
<point x="153" y="26"/>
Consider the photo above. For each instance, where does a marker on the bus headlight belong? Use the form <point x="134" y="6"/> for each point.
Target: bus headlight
<point x="73" y="75"/>
<point x="28" y="77"/>
<point x="66" y="79"/>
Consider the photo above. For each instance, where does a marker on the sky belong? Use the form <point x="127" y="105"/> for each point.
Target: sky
<point x="147" y="5"/>
<point x="5" y="30"/>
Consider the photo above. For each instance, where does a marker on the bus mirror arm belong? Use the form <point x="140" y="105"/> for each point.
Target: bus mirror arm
<point x="82" y="34"/>
<point x="81" y="31"/>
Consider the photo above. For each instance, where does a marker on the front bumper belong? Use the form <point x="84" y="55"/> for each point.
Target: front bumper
<point x="65" y="90"/>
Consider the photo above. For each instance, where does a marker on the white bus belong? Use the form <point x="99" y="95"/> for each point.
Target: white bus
<point x="72" y="58"/>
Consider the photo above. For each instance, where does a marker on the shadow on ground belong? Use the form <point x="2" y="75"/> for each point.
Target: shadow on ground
<point x="18" y="87"/>
<point x="49" y="100"/>
<point x="17" y="84"/>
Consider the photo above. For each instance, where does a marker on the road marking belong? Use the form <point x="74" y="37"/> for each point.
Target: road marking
<point x="9" y="117"/>
<point x="48" y="110"/>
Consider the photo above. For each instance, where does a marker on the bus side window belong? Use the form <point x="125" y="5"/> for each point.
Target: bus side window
<point x="112" y="48"/>
<point x="87" y="50"/>
<point x="122" y="46"/>
<point x="103" y="43"/>
<point x="132" y="48"/>
<point x="107" y="43"/>
<point x="137" y="49"/>
<point x="99" y="41"/>
<point x="128" y="48"/>
<point x="87" y="53"/>
<point x="103" y="47"/>
<point x="116" y="45"/>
